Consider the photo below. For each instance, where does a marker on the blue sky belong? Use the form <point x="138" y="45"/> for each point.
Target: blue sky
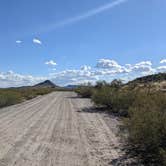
<point x="54" y="38"/>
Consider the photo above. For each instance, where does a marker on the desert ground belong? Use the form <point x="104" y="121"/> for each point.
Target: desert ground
<point x="58" y="129"/>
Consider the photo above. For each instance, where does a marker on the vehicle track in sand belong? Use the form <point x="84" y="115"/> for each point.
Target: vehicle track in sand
<point x="57" y="129"/>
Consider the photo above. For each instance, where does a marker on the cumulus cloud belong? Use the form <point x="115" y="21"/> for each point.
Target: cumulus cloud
<point x="111" y="66"/>
<point x="82" y="75"/>
<point x="85" y="67"/>
<point x="51" y="63"/>
<point x="163" y="61"/>
<point x="161" y="69"/>
<point x="149" y="63"/>
<point x="37" y="41"/>
<point x="106" y="69"/>
<point x="107" y="63"/>
<point x="144" y="66"/>
<point x="12" y="79"/>
<point x="18" y="41"/>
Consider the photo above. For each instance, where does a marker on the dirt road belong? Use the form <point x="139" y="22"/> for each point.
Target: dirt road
<point x="58" y="129"/>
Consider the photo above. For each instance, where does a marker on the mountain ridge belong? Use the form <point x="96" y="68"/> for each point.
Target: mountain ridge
<point x="45" y="84"/>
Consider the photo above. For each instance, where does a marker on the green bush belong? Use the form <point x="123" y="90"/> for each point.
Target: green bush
<point x="29" y="93"/>
<point x="104" y="96"/>
<point x="114" y="99"/>
<point x="14" y="96"/>
<point x="145" y="109"/>
<point x="122" y="101"/>
<point x="147" y="126"/>
<point x="84" y="91"/>
<point x="43" y="91"/>
<point x="9" y="98"/>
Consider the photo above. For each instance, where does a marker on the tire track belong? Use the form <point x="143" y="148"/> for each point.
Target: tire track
<point x="28" y="134"/>
<point x="13" y="132"/>
<point x="56" y="130"/>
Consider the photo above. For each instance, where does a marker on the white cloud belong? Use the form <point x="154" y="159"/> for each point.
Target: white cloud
<point x="144" y="67"/>
<point x="37" y="41"/>
<point x="12" y="79"/>
<point x="84" y="74"/>
<point x="163" y="61"/>
<point x="144" y="63"/>
<point x="85" y="67"/>
<point x="161" y="69"/>
<point x="106" y="69"/>
<point x="51" y="63"/>
<point x="18" y="41"/>
<point x="111" y="66"/>
<point x="107" y="64"/>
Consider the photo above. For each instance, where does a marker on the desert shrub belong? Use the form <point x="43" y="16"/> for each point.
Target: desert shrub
<point x="42" y="91"/>
<point x="84" y="91"/>
<point x="145" y="109"/>
<point x="100" y="84"/>
<point x="114" y="99"/>
<point x="104" y="96"/>
<point x="8" y="97"/>
<point x="147" y="126"/>
<point x="29" y="93"/>
<point x="14" y="96"/>
<point x="116" y="83"/>
<point x="123" y="99"/>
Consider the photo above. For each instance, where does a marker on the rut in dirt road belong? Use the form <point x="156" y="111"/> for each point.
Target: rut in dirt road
<point x="55" y="130"/>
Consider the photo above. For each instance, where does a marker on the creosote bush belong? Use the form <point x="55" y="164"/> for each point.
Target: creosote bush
<point x="13" y="96"/>
<point x="84" y="91"/>
<point x="145" y="116"/>
<point x="104" y="96"/>
<point x="147" y="126"/>
<point x="113" y="97"/>
<point x="9" y="98"/>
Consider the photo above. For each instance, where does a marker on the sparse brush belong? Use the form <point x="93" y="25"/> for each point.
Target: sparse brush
<point x="84" y="91"/>
<point x="147" y="126"/>
<point x="14" y="96"/>
<point x="9" y="98"/>
<point x="145" y="112"/>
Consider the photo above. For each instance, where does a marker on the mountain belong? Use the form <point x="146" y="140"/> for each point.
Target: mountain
<point x="45" y="84"/>
<point x="160" y="77"/>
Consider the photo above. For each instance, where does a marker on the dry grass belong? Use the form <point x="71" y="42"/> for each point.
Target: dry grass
<point x="13" y="96"/>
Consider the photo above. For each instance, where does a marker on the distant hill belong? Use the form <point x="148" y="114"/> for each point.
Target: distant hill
<point x="71" y="86"/>
<point x="160" y="77"/>
<point x="45" y="84"/>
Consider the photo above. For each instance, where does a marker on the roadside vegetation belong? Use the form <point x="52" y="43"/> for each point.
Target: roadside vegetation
<point x="12" y="96"/>
<point x="85" y="91"/>
<point x="143" y="110"/>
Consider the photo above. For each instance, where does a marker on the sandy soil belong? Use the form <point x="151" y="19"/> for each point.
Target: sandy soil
<point x="58" y="129"/>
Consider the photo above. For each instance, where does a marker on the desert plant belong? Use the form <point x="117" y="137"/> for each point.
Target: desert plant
<point x="84" y="91"/>
<point x="104" y="96"/>
<point x="113" y="98"/>
<point x="147" y="126"/>
<point x="13" y="96"/>
<point x="8" y="97"/>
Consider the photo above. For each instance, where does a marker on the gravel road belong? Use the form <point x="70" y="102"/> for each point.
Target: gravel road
<point x="57" y="129"/>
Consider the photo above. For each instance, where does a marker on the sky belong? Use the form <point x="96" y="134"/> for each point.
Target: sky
<point x="72" y="42"/>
